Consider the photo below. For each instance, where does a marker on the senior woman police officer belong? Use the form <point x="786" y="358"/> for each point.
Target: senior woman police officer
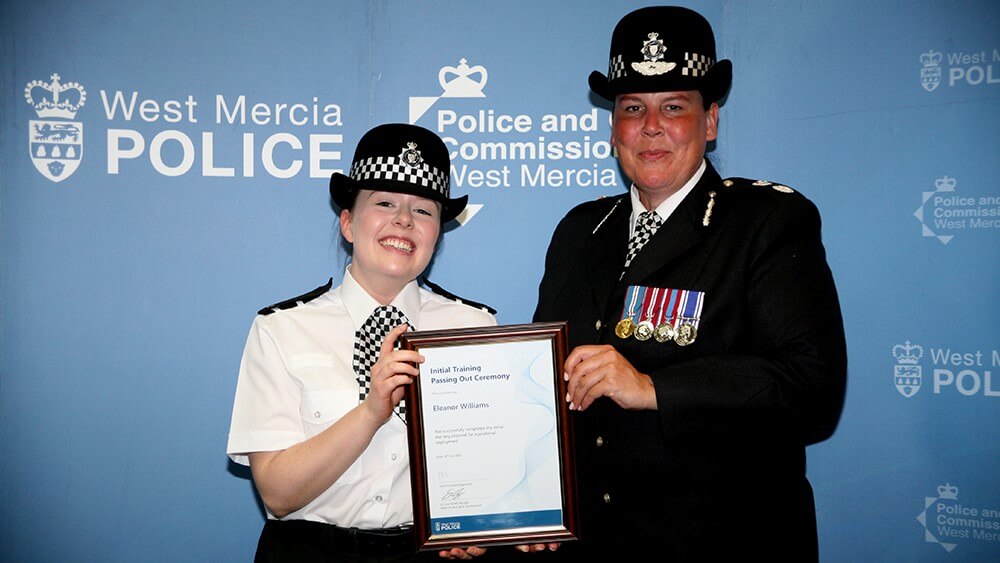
<point x="318" y="414"/>
<point x="707" y="344"/>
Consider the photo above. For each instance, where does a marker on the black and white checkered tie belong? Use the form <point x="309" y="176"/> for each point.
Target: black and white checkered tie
<point x="646" y="225"/>
<point x="368" y="343"/>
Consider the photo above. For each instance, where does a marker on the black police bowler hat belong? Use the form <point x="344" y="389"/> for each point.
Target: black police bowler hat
<point x="397" y="157"/>
<point x="663" y="49"/>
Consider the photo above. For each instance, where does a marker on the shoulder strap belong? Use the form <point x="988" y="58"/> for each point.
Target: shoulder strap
<point x="295" y="301"/>
<point x="444" y="293"/>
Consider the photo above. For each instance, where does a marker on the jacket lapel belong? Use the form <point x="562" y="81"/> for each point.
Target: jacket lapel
<point x="607" y="255"/>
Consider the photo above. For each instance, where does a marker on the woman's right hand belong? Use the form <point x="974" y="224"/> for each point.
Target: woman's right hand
<point x="393" y="369"/>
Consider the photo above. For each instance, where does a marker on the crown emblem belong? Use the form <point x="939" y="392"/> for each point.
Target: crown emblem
<point x="54" y="99"/>
<point x="947" y="491"/>
<point x="410" y="155"/>
<point x="945" y="184"/>
<point x="457" y="81"/>
<point x="907" y="353"/>
<point x="930" y="58"/>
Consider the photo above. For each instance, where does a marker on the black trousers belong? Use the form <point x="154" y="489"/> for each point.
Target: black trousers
<point x="301" y="541"/>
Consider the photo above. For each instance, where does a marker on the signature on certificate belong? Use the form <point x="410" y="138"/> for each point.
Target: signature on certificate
<point x="453" y="494"/>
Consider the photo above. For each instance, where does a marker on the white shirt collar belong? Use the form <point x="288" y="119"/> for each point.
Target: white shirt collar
<point x="360" y="304"/>
<point x="665" y="209"/>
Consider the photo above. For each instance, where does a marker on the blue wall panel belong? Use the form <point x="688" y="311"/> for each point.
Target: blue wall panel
<point x="128" y="285"/>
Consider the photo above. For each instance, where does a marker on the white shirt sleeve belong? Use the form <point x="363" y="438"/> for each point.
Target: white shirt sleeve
<point x="266" y="409"/>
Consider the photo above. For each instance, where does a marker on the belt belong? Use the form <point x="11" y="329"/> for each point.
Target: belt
<point x="381" y="541"/>
<point x="336" y="539"/>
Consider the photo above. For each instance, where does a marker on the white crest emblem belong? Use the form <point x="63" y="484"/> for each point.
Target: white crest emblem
<point x="653" y="50"/>
<point x="943" y="184"/>
<point x="460" y="81"/>
<point x="930" y="73"/>
<point x="54" y="143"/>
<point x="907" y="374"/>
<point x="410" y="155"/>
<point x="947" y="498"/>
<point x="461" y="84"/>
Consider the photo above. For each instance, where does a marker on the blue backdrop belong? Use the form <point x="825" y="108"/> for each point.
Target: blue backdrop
<point x="173" y="179"/>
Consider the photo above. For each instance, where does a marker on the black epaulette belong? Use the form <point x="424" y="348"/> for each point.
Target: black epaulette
<point x="444" y="293"/>
<point x="746" y="182"/>
<point x="295" y="301"/>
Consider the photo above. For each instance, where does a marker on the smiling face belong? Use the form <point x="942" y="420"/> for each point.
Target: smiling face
<point x="394" y="236"/>
<point x="660" y="137"/>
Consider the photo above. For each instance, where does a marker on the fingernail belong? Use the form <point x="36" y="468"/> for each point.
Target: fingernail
<point x="566" y="375"/>
<point x="568" y="398"/>
<point x="572" y="407"/>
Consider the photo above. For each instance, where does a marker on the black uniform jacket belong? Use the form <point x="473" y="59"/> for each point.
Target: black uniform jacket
<point x="719" y="467"/>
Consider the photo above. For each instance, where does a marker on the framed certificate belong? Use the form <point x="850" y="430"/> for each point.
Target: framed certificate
<point x="490" y="438"/>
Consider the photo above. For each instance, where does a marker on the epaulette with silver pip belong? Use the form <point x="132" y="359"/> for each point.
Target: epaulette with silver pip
<point x="746" y="182"/>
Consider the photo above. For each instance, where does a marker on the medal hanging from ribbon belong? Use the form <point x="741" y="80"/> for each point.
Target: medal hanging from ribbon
<point x="663" y="314"/>
<point x="630" y="312"/>
<point x="664" y="331"/>
<point x="687" y="317"/>
<point x="644" y="330"/>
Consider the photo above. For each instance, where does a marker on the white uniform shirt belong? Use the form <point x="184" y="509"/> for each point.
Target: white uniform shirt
<point x="667" y="207"/>
<point x="297" y="378"/>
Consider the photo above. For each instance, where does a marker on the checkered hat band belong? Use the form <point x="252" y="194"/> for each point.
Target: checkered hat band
<point x="392" y="168"/>
<point x="616" y="68"/>
<point x="696" y="65"/>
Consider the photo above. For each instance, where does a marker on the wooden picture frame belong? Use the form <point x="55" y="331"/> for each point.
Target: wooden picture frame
<point x="490" y="437"/>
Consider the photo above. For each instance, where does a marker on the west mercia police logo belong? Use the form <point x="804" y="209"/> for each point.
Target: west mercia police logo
<point x="970" y="65"/>
<point x="55" y="142"/>
<point x="930" y="71"/>
<point x="907" y="374"/>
